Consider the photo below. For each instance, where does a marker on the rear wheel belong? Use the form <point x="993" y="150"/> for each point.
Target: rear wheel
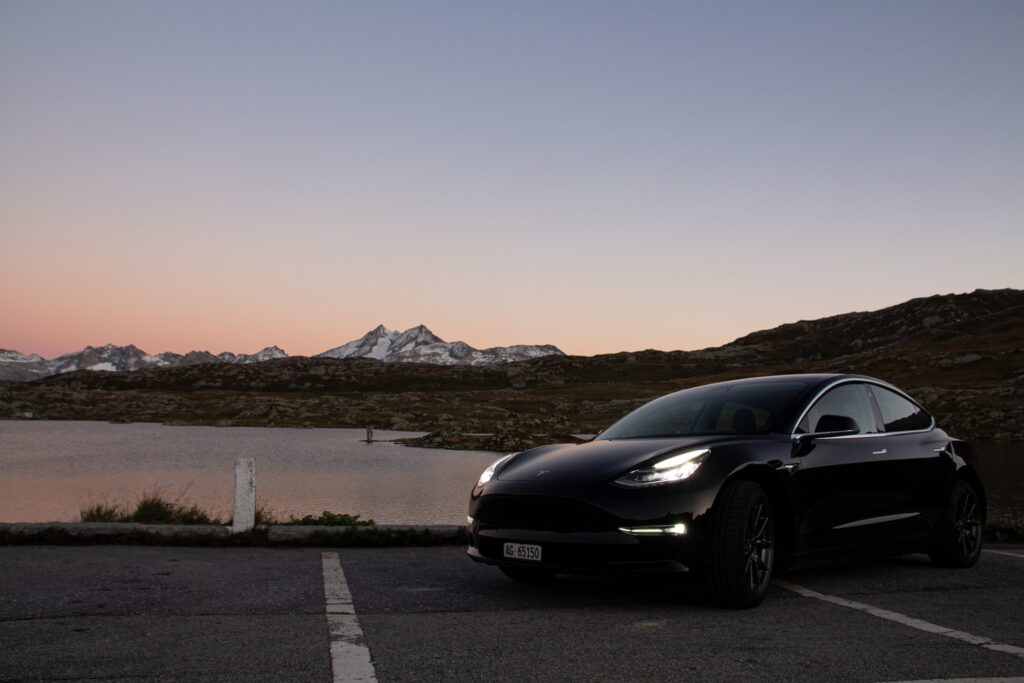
<point x="742" y="546"/>
<point x="527" y="574"/>
<point x="960" y="543"/>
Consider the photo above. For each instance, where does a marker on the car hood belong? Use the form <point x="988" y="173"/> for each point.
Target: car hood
<point x="592" y="460"/>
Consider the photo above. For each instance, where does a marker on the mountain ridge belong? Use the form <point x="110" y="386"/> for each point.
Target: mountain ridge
<point x="15" y="366"/>
<point x="415" y="345"/>
<point x="419" y="345"/>
<point x="961" y="355"/>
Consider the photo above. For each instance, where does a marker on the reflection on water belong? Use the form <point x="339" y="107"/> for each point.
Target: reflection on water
<point x="50" y="470"/>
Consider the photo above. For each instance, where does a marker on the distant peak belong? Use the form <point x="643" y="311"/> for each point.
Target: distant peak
<point x="110" y="347"/>
<point x="419" y="330"/>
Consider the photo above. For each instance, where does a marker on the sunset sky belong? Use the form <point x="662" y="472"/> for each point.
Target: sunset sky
<point x="598" y="176"/>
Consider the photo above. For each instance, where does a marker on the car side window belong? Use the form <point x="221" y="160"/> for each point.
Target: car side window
<point x="899" y="414"/>
<point x="846" y="400"/>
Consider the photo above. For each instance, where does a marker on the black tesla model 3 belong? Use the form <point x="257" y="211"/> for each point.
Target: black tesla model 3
<point x="733" y="480"/>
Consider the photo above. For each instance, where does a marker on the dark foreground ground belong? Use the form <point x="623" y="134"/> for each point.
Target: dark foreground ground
<point x="254" y="614"/>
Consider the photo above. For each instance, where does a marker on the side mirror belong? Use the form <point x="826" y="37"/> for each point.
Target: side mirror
<point x="832" y="425"/>
<point x="828" y="425"/>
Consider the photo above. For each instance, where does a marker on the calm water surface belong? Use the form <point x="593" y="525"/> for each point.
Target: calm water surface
<point x="50" y="470"/>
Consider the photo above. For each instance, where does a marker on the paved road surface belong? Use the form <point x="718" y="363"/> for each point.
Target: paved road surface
<point x="211" y="614"/>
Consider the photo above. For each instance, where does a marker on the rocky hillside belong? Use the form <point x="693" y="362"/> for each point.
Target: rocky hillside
<point x="961" y="355"/>
<point x="959" y="318"/>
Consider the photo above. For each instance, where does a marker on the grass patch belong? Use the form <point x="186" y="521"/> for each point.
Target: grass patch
<point x="327" y="518"/>
<point x="264" y="515"/>
<point x="101" y="512"/>
<point x="152" y="507"/>
<point x="155" y="507"/>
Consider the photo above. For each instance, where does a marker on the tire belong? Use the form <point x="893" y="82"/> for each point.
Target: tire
<point x="527" y="574"/>
<point x="959" y="544"/>
<point x="742" y="552"/>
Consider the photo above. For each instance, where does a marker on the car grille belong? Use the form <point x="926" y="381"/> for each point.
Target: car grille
<point x="542" y="513"/>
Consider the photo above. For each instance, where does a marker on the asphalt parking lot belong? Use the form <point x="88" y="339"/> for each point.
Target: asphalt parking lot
<point x="212" y="614"/>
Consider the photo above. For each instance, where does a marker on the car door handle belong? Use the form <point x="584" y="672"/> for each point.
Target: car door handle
<point x="881" y="452"/>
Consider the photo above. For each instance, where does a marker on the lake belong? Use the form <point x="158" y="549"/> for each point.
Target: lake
<point x="50" y="470"/>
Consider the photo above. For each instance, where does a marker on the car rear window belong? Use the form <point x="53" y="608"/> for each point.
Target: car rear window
<point x="899" y="414"/>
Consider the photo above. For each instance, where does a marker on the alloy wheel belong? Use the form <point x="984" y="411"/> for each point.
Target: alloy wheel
<point x="968" y="524"/>
<point x="759" y="546"/>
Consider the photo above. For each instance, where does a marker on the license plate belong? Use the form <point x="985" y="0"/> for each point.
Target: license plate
<point x="522" y="551"/>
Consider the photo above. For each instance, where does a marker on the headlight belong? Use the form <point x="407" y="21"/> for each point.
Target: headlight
<point x="489" y="472"/>
<point x="667" y="471"/>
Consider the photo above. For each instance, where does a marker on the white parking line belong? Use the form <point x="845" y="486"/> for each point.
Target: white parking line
<point x="350" y="658"/>
<point x="919" y="624"/>
<point x="1003" y="552"/>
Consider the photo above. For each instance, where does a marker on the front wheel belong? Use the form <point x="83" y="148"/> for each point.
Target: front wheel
<point x="742" y="549"/>
<point x="960" y="542"/>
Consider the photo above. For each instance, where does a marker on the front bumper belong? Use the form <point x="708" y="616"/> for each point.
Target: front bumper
<point x="581" y="533"/>
<point x="611" y="552"/>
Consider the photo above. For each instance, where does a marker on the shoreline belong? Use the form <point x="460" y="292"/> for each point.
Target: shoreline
<point x="448" y="438"/>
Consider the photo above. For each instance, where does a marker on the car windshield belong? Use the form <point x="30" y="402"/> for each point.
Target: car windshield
<point x="730" y="408"/>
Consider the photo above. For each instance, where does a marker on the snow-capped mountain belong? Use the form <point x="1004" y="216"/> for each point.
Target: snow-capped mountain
<point x="382" y="343"/>
<point x="110" y="358"/>
<point x="7" y="356"/>
<point x="415" y="345"/>
<point x="414" y="338"/>
<point x="420" y="345"/>
<point x="18" y="366"/>
<point x="171" y="359"/>
<point x="269" y="353"/>
<point x="374" y="344"/>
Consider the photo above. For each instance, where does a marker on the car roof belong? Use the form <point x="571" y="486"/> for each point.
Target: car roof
<point x="812" y="379"/>
<point x="815" y="382"/>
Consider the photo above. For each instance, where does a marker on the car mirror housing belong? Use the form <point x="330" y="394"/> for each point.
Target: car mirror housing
<point x="834" y="425"/>
<point x="829" y="424"/>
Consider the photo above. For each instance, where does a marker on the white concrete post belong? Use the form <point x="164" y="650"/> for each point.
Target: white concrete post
<point x="244" y="518"/>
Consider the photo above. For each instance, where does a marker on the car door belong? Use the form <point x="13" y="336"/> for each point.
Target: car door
<point x="845" y="486"/>
<point x="922" y="462"/>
